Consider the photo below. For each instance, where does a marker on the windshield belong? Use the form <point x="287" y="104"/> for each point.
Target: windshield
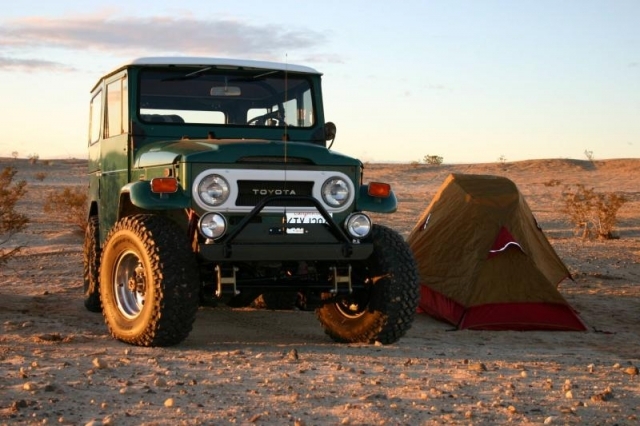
<point x="231" y="97"/>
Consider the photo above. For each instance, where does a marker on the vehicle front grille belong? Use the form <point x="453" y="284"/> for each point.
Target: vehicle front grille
<point x="251" y="192"/>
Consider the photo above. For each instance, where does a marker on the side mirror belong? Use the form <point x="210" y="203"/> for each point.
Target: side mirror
<point x="329" y="131"/>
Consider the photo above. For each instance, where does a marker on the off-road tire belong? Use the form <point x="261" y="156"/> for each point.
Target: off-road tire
<point x="91" y="260"/>
<point x="153" y="252"/>
<point x="385" y="309"/>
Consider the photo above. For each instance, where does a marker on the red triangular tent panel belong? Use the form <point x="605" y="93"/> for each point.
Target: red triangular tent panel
<point x="484" y="262"/>
<point x="502" y="242"/>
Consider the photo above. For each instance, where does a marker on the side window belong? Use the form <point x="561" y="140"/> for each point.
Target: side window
<point x="95" y="117"/>
<point x="115" y="108"/>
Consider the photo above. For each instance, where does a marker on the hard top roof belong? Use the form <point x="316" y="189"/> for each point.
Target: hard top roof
<point x="213" y="62"/>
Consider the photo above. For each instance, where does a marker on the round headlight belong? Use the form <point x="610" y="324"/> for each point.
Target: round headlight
<point x="358" y="225"/>
<point x="212" y="225"/>
<point x="335" y="191"/>
<point x="213" y="190"/>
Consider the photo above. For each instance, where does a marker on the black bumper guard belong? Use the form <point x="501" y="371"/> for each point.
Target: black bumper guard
<point x="342" y="249"/>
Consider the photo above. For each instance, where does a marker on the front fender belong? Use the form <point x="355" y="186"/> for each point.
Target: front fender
<point x="141" y="196"/>
<point x="366" y="202"/>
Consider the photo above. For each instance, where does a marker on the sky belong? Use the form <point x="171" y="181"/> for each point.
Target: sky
<point x="470" y="81"/>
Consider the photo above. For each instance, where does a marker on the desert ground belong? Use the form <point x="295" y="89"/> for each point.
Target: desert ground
<point x="58" y="364"/>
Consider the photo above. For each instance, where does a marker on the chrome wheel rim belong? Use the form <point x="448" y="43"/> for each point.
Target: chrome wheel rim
<point x="129" y="284"/>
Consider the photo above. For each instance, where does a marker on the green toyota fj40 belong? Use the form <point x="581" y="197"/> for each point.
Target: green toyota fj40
<point x="211" y="179"/>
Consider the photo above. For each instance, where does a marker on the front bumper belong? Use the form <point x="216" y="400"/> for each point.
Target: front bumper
<point x="250" y="241"/>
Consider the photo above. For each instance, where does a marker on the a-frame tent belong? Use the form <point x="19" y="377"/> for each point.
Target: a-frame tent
<point x="484" y="262"/>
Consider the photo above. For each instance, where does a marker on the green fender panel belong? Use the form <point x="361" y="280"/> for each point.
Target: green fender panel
<point x="374" y="204"/>
<point x="141" y="196"/>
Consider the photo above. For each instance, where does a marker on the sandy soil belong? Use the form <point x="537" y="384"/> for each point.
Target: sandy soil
<point x="58" y="365"/>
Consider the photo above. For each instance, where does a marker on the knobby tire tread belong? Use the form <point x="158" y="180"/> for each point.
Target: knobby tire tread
<point x="173" y="269"/>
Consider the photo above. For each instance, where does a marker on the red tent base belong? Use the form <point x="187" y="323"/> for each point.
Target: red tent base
<point x="520" y="316"/>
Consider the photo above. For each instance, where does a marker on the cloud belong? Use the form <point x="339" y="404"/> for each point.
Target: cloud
<point x="154" y="35"/>
<point x="26" y="65"/>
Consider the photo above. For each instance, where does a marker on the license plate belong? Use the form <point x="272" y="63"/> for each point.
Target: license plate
<point x="299" y="218"/>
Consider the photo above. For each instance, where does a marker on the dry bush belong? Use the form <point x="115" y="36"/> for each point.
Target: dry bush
<point x="433" y="159"/>
<point x="33" y="158"/>
<point x="70" y="203"/>
<point x="11" y="222"/>
<point x="593" y="213"/>
<point x="40" y="176"/>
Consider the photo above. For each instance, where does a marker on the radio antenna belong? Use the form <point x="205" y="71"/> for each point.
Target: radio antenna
<point x="285" y="136"/>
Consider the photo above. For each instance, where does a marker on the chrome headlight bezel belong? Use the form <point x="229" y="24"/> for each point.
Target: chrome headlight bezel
<point x="213" y="190"/>
<point x="336" y="191"/>
<point x="358" y="225"/>
<point x="212" y="225"/>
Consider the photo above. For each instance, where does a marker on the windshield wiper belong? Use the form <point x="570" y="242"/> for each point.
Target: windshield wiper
<point x="191" y="75"/>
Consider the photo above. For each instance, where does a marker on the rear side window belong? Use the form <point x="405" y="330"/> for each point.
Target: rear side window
<point x="95" y="115"/>
<point x="116" y="107"/>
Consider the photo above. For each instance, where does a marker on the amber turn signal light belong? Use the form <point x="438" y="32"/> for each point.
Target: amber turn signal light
<point x="378" y="189"/>
<point x="164" y="185"/>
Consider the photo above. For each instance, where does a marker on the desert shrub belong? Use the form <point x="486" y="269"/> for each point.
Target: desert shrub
<point x="11" y="222"/>
<point x="33" y="158"/>
<point x="589" y="155"/>
<point x="433" y="159"/>
<point x="14" y="154"/>
<point x="592" y="213"/>
<point x="71" y="203"/>
<point x="40" y="176"/>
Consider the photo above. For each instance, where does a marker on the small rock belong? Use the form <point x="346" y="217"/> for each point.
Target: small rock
<point x="616" y="365"/>
<point x="568" y="394"/>
<point x="30" y="386"/>
<point x="511" y="409"/>
<point x="549" y="420"/>
<point x="160" y="382"/>
<point x="632" y="371"/>
<point x="299" y="422"/>
<point x="99" y="363"/>
<point x="169" y="402"/>
<point x="523" y="374"/>
<point x="477" y="366"/>
<point x="16" y="405"/>
<point x="377" y="343"/>
<point x="93" y="422"/>
<point x="293" y="355"/>
<point x="591" y="368"/>
<point x="603" y="396"/>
